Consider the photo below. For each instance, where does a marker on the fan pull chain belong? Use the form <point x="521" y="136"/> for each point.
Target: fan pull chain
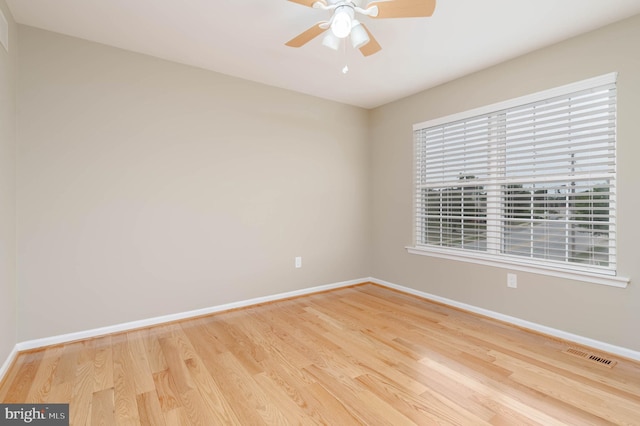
<point x="345" y="69"/>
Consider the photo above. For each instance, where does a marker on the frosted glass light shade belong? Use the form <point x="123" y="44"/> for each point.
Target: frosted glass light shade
<point x="359" y="36"/>
<point x="331" y="41"/>
<point x="341" y="24"/>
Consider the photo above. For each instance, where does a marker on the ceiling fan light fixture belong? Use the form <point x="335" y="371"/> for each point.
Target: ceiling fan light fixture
<point x="342" y="22"/>
<point x="331" y="41"/>
<point x="359" y="36"/>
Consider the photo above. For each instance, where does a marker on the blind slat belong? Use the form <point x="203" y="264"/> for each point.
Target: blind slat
<point x="533" y="181"/>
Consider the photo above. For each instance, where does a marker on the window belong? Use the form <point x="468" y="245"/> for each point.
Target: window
<point x="531" y="181"/>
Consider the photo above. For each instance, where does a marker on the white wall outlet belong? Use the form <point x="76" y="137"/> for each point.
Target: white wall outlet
<point x="298" y="261"/>
<point x="512" y="281"/>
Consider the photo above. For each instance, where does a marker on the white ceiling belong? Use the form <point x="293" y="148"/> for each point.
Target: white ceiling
<point x="245" y="38"/>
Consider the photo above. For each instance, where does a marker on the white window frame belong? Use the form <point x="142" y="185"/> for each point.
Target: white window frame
<point x="491" y="257"/>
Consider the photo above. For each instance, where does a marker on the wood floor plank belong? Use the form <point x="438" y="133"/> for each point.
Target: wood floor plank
<point x="185" y="387"/>
<point x="149" y="410"/>
<point x="245" y="388"/>
<point x="16" y="387"/>
<point x="333" y="410"/>
<point x="213" y="396"/>
<point x="586" y="398"/>
<point x="359" y="401"/>
<point x="83" y="385"/>
<point x="244" y="350"/>
<point x="103" y="364"/>
<point x="66" y="369"/>
<point x="154" y="355"/>
<point x="65" y="374"/>
<point x="439" y="386"/>
<point x="357" y="355"/>
<point x="168" y="396"/>
<point x="486" y="389"/>
<point x="125" y="400"/>
<point x="204" y="334"/>
<point x="177" y="367"/>
<point x="142" y="376"/>
<point x="103" y="408"/>
<point x="43" y="380"/>
<point x="303" y="345"/>
<point x="234" y="390"/>
<point x="177" y="417"/>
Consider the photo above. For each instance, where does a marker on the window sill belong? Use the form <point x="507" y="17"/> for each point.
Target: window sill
<point x="477" y="258"/>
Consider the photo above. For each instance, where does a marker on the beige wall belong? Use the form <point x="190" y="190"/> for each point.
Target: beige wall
<point x="147" y="188"/>
<point x="7" y="190"/>
<point x="604" y="313"/>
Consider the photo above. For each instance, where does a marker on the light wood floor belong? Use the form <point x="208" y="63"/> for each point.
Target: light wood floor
<point x="359" y="355"/>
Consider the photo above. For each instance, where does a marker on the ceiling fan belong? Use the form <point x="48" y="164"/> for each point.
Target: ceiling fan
<point x="343" y="22"/>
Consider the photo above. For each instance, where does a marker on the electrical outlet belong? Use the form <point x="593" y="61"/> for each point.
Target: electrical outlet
<point x="512" y="281"/>
<point x="298" y="261"/>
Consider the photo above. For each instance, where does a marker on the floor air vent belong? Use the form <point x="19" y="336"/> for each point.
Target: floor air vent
<point x="591" y="357"/>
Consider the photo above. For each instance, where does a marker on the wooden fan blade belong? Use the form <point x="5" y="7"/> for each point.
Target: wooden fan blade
<point x="308" y="35"/>
<point x="371" y="47"/>
<point x="308" y="2"/>
<point x="403" y="8"/>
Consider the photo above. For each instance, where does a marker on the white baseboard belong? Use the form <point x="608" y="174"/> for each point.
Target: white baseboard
<point x="97" y="332"/>
<point x="596" y="344"/>
<point x="8" y="362"/>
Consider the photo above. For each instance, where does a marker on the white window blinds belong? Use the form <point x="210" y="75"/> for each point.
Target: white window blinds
<point x="532" y="179"/>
